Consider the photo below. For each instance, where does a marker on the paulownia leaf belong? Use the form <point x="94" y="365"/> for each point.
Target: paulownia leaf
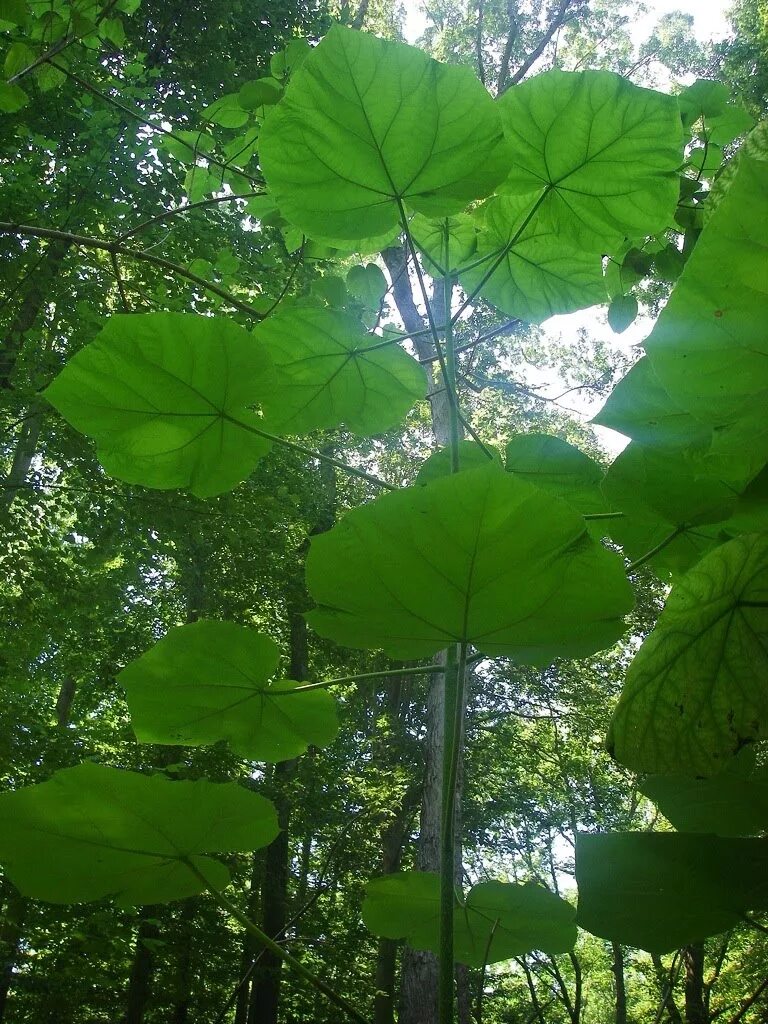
<point x="471" y="456"/>
<point x="661" y="891"/>
<point x="93" y="831"/>
<point x="599" y="154"/>
<point x="480" y="557"/>
<point x="709" y="348"/>
<point x="660" y="492"/>
<point x="537" y="272"/>
<point x="366" y="124"/>
<point x="695" y="692"/>
<point x="330" y="372"/>
<point x="208" y="681"/>
<point x="557" y="467"/>
<point x="368" y="285"/>
<point x="640" y="408"/>
<point x="728" y="804"/>
<point x="448" y="244"/>
<point x="166" y="396"/>
<point x="497" y="921"/>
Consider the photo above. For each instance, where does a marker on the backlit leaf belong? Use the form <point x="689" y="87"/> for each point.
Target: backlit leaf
<point x="366" y="124"/>
<point x="599" y="154"/>
<point x="208" y="681"/>
<point x="420" y="568"/>
<point x="497" y="921"/>
<point x="695" y="692"/>
<point x="166" y="396"/>
<point x="557" y="467"/>
<point x="93" y="831"/>
<point x="663" y="891"/>
<point x="329" y="372"/>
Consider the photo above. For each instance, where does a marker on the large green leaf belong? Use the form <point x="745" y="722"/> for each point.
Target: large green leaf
<point x="729" y="804"/>
<point x="557" y="467"/>
<point x="448" y="244"/>
<point x="709" y="348"/>
<point x="93" y="831"/>
<point x="367" y="124"/>
<point x="640" y="408"/>
<point x="471" y="456"/>
<point x="530" y="270"/>
<point x="329" y="371"/>
<point x="497" y="921"/>
<point x="695" y="692"/>
<point x="208" y="681"/>
<point x="662" y="492"/>
<point x="663" y="891"/>
<point x="480" y="556"/>
<point x="166" y="397"/>
<point x="600" y="155"/>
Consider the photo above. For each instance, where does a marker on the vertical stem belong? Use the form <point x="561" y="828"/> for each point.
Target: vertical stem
<point x="450" y="365"/>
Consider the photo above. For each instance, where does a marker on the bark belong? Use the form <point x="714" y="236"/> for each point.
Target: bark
<point x="142" y="968"/>
<point x="666" y="986"/>
<point x="617" y="966"/>
<point x="182" y="997"/>
<point x="24" y="452"/>
<point x="39" y="281"/>
<point x="250" y="945"/>
<point x="695" y="1010"/>
<point x="11" y="935"/>
<point x="419" y="974"/>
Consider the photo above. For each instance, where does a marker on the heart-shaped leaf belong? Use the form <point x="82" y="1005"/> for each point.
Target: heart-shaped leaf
<point x="94" y="831"/>
<point x="208" y="681"/>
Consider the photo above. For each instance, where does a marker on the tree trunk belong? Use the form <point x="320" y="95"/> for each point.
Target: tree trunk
<point x="418" y="992"/>
<point x="24" y="452"/>
<point x="665" y="986"/>
<point x="695" y="1010"/>
<point x="142" y="968"/>
<point x="11" y="933"/>
<point x="251" y="947"/>
<point x="617" y="966"/>
<point x="182" y="996"/>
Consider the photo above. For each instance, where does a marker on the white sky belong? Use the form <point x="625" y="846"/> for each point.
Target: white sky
<point x="710" y="22"/>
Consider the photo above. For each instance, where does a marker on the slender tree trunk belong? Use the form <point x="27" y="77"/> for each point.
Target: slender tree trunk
<point x="24" y="452"/>
<point x="419" y="975"/>
<point x="11" y="934"/>
<point x="250" y="946"/>
<point x="182" y="997"/>
<point x="673" y="1014"/>
<point x="695" y="1010"/>
<point x="142" y="967"/>
<point x="617" y="966"/>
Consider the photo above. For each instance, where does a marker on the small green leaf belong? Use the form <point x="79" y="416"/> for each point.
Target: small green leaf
<point x="12" y="98"/>
<point x="448" y="244"/>
<point x="703" y="98"/>
<point x="367" y="124"/>
<point x="226" y="111"/>
<point x="166" y="397"/>
<point x="208" y="681"/>
<point x="670" y="262"/>
<point x="263" y="92"/>
<point x="471" y="456"/>
<point x="664" y="891"/>
<point x="329" y="372"/>
<point x="112" y="31"/>
<point x="695" y="692"/>
<point x="498" y="921"/>
<point x="622" y="312"/>
<point x="13" y="12"/>
<point x="186" y="146"/>
<point x="421" y="568"/>
<point x="732" y="123"/>
<point x="18" y="57"/>
<point x="599" y="155"/>
<point x="367" y="284"/>
<point x="201" y="182"/>
<point x="94" y="831"/>
<point x="557" y="467"/>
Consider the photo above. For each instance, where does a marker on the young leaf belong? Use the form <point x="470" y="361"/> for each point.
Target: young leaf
<point x="166" y="396"/>
<point x="447" y="243"/>
<point x="366" y="124"/>
<point x="622" y="312"/>
<point x="556" y="466"/>
<point x="497" y="922"/>
<point x="367" y="284"/>
<point x="539" y="273"/>
<point x="421" y="568"/>
<point x="329" y="372"/>
<point x="226" y="111"/>
<point x="695" y="692"/>
<point x="600" y="155"/>
<point x="471" y="456"/>
<point x="93" y="831"/>
<point x="208" y="681"/>
<point x="662" y="891"/>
